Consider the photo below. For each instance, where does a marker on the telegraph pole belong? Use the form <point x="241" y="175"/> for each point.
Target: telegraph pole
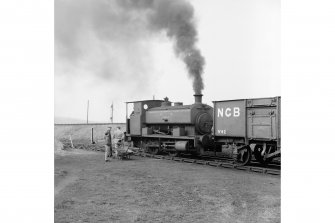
<point x="88" y="105"/>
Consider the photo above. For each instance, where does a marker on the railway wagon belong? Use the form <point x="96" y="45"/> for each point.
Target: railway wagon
<point x="158" y="126"/>
<point x="248" y="127"/>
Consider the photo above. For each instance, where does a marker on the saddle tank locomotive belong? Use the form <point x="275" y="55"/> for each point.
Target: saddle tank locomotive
<point x="158" y="126"/>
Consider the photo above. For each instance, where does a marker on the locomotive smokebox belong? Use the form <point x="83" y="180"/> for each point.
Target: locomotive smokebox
<point x="197" y="98"/>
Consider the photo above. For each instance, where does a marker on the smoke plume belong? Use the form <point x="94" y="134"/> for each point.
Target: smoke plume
<point x="126" y="24"/>
<point x="175" y="17"/>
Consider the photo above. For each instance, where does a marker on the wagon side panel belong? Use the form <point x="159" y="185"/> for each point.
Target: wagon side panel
<point x="263" y="118"/>
<point x="230" y="118"/>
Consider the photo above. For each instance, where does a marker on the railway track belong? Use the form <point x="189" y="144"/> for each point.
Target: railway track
<point x="223" y="163"/>
<point x="272" y="168"/>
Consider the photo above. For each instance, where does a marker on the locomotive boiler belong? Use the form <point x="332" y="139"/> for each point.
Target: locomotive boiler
<point x="158" y="126"/>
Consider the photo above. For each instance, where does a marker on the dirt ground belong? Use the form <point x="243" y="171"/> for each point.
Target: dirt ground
<point x="150" y="190"/>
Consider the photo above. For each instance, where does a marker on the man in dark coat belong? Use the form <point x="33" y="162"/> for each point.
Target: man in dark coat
<point x="108" y="149"/>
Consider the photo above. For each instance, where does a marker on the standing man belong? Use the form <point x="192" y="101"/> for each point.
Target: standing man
<point x="108" y="138"/>
<point x="118" y="137"/>
<point x="117" y="140"/>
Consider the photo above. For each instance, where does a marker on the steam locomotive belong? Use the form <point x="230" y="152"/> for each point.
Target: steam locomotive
<point x="238" y="129"/>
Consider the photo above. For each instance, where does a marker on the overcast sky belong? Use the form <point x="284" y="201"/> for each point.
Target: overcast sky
<point x="239" y="39"/>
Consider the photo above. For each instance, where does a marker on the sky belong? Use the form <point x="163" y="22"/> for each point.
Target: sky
<point x="105" y="57"/>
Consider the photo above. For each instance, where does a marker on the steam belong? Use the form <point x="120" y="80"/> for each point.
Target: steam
<point x="124" y="27"/>
<point x="176" y="18"/>
<point x="101" y="40"/>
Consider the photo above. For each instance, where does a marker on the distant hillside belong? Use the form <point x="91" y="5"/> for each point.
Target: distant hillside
<point x="64" y="120"/>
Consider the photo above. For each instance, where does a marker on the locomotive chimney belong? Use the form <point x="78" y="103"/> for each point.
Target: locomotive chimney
<point x="197" y="98"/>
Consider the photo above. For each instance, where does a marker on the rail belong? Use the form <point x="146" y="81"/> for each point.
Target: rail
<point x="217" y="163"/>
<point x="272" y="169"/>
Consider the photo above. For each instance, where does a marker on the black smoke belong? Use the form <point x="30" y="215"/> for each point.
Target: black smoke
<point x="126" y="23"/>
<point x="176" y="19"/>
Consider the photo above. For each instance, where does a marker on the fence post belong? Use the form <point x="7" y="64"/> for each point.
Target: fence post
<point x="92" y="140"/>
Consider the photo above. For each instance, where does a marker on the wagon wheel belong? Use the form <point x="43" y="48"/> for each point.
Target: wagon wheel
<point x="258" y="154"/>
<point x="243" y="156"/>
